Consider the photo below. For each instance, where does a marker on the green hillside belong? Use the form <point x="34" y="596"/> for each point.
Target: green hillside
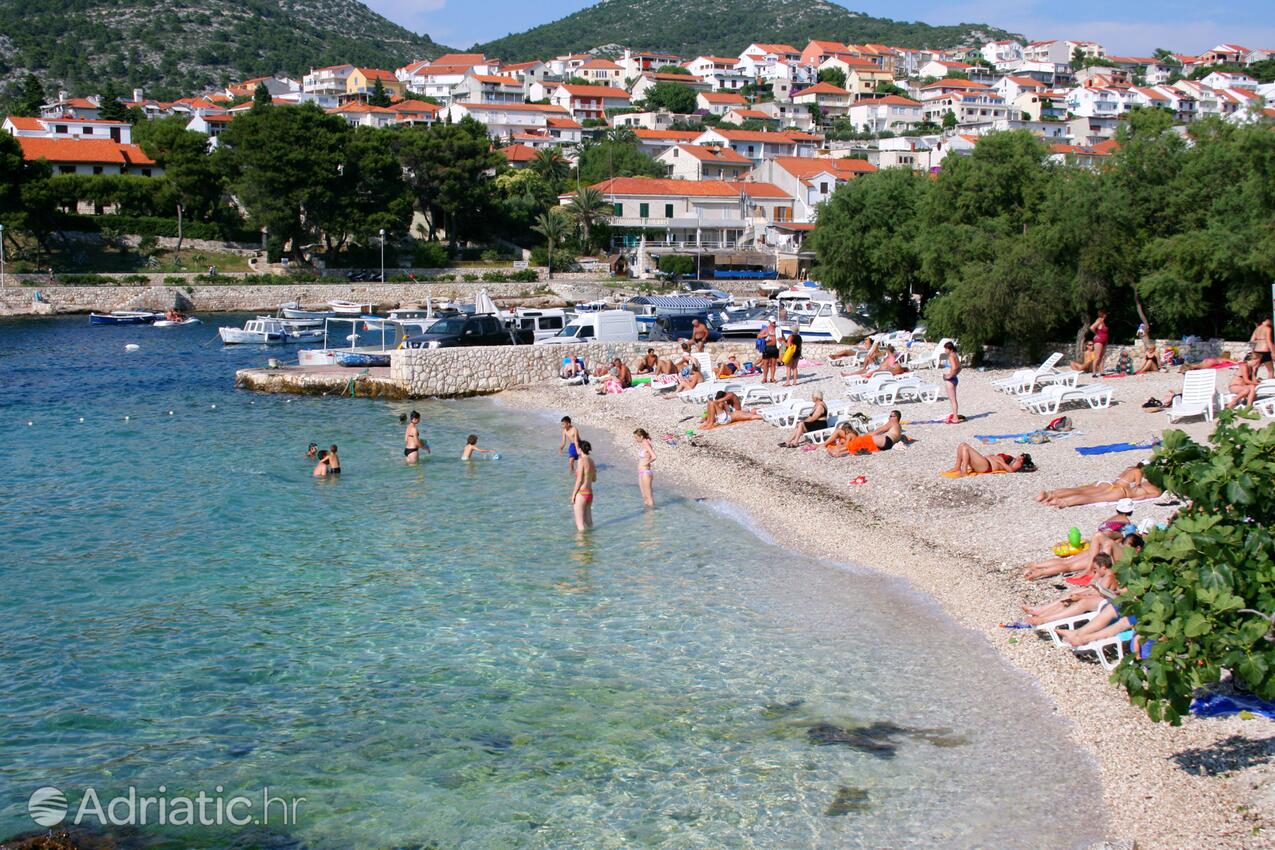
<point x="175" y="47"/>
<point x="695" y="27"/>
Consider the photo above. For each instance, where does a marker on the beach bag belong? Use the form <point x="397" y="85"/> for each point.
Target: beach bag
<point x="760" y="344"/>
<point x="789" y="353"/>
<point x="1062" y="423"/>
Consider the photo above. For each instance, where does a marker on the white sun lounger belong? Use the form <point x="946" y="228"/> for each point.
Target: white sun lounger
<point x="1100" y="647"/>
<point x="1065" y="624"/>
<point x="1048" y="400"/>
<point x="1199" y="388"/>
<point x="1265" y="406"/>
<point x="821" y="436"/>
<point x="786" y="414"/>
<point x="859" y="387"/>
<point x="764" y="394"/>
<point x="1025" y="380"/>
<point x="902" y="388"/>
<point x="701" y="393"/>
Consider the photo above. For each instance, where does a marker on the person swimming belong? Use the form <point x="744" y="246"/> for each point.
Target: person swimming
<point x="329" y="463"/>
<point x="471" y="447"/>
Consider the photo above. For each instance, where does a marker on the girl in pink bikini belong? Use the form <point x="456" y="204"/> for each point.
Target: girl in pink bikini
<point x="582" y="493"/>
<point x="646" y="457"/>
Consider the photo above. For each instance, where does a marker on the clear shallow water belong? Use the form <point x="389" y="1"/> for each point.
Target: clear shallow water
<point x="432" y="659"/>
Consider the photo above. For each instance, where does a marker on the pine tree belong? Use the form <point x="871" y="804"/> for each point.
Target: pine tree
<point x="29" y="98"/>
<point x="379" y="96"/>
<point x="261" y="97"/>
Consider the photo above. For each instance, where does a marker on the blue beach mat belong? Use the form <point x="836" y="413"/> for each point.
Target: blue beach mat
<point x="1116" y="447"/>
<point x="1025" y="437"/>
<point x="1218" y="705"/>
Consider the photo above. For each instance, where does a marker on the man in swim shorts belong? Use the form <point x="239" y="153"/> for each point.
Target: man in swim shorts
<point x="570" y="443"/>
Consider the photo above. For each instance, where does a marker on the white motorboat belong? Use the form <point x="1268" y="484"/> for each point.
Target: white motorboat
<point x="817" y="313"/>
<point x="349" y="308"/>
<point x="173" y="323"/>
<point x="415" y="314"/>
<point x="263" y="331"/>
<point x="292" y="310"/>
<point x="124" y="317"/>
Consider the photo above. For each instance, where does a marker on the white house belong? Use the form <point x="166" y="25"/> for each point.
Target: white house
<point x="1088" y="49"/>
<point x="89" y="156"/>
<point x="601" y="71"/>
<point x="830" y="100"/>
<point x="719" y="103"/>
<point x="330" y="81"/>
<point x="487" y="88"/>
<point x="1005" y="55"/>
<point x="1224" y="80"/>
<point x="892" y="113"/>
<point x="971" y="108"/>
<point x="940" y="68"/>
<point x="506" y="119"/>
<point x="787" y="114"/>
<point x="69" y="128"/>
<point x="720" y="72"/>
<point x="704" y="162"/>
<point x="757" y="145"/>
<point x="810" y="180"/>
<point x="585" y="102"/>
<point x="655" y="142"/>
<point x="1051" y="51"/>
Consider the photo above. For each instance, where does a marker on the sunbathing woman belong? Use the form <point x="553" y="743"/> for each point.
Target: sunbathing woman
<point x="1086" y="363"/>
<point x="1223" y="362"/>
<point x="880" y="440"/>
<point x="1150" y="358"/>
<point x="1245" y="382"/>
<point x="1129" y="484"/>
<point x="691" y="377"/>
<point x="816" y="421"/>
<point x="969" y="462"/>
<point x="726" y="409"/>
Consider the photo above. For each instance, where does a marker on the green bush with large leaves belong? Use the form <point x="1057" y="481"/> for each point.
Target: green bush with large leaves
<point x="1203" y="589"/>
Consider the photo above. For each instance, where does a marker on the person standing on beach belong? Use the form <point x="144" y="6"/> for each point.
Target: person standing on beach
<point x="950" y="380"/>
<point x="570" y="443"/>
<point x="582" y="493"/>
<point x="769" y="353"/>
<point x="1263" y="346"/>
<point x="412" y="442"/>
<point x="792" y="356"/>
<point x="646" y="457"/>
<point x="1101" y="336"/>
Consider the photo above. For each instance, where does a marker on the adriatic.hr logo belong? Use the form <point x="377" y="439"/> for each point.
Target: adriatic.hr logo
<point x="47" y="806"/>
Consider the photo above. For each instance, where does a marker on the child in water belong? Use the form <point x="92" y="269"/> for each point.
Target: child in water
<point x="471" y="446"/>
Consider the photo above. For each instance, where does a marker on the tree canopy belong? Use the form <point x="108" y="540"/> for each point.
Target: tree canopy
<point x="674" y="97"/>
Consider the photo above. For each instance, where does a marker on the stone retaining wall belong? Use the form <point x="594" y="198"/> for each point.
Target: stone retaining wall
<point x="476" y="371"/>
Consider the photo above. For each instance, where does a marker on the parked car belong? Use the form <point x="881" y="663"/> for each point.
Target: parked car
<point x="602" y="326"/>
<point x="456" y="331"/>
<point x="673" y="328"/>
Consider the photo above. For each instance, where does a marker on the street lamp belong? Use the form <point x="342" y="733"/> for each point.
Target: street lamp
<point x="382" y="255"/>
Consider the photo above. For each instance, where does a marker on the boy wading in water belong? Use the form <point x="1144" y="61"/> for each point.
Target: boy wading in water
<point x="412" y="442"/>
<point x="570" y="442"/>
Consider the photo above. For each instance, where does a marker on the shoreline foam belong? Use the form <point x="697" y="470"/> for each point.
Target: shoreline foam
<point x="1164" y="787"/>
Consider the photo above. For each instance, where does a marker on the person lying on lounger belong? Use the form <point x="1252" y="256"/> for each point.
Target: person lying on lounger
<point x="1081" y="601"/>
<point x="1107" y="622"/>
<point x="891" y="362"/>
<point x="881" y="440"/>
<point x="726" y="409"/>
<point x="730" y="368"/>
<point x="1245" y="382"/>
<point x="969" y="462"/>
<point x="690" y="378"/>
<point x="1129" y="484"/>
<point x="1108" y="541"/>
<point x="1223" y="362"/>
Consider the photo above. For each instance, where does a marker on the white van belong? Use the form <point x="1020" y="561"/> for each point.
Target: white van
<point x="543" y="323"/>
<point x="602" y="326"/>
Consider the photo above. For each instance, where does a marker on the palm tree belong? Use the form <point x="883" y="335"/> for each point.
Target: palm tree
<point x="553" y="227"/>
<point x="587" y="208"/>
<point x="551" y="165"/>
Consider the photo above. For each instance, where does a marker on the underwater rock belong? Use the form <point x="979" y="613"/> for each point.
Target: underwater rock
<point x="848" y="801"/>
<point x="775" y="710"/>
<point x="878" y="739"/>
<point x="493" y="742"/>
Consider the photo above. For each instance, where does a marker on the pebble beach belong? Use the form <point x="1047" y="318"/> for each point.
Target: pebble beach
<point x="964" y="543"/>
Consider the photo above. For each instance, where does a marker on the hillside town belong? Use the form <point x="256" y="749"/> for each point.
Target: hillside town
<point x="751" y="145"/>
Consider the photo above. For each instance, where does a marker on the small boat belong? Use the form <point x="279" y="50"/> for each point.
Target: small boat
<point x="349" y="308"/>
<point x="360" y="359"/>
<point x="173" y="323"/>
<point x="292" y="310"/>
<point x="255" y="332"/>
<point x="304" y="334"/>
<point x="124" y="317"/>
<point x="374" y="323"/>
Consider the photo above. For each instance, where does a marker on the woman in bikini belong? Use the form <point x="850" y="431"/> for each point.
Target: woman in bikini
<point x="582" y="493"/>
<point x="726" y="409"/>
<point x="969" y="461"/>
<point x="1085" y="363"/>
<point x="951" y="379"/>
<point x="691" y="377"/>
<point x="1245" y="382"/>
<point x="646" y="457"/>
<point x="1080" y="601"/>
<point x="1263" y="346"/>
<point x="1129" y="484"/>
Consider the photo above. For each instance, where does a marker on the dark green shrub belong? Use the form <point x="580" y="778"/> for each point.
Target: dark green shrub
<point x="495" y="277"/>
<point x="1204" y="589"/>
<point x="525" y="276"/>
<point x="429" y="255"/>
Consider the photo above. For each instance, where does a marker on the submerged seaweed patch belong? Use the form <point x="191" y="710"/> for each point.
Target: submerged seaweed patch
<point x="878" y="739"/>
<point x="848" y="801"/>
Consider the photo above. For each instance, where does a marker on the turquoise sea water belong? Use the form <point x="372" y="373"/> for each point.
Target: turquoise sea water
<point x="432" y="659"/>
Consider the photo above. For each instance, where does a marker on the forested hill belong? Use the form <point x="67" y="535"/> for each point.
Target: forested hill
<point x="724" y="27"/>
<point x="172" y="48"/>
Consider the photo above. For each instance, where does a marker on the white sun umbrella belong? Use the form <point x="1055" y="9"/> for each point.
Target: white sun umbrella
<point x="483" y="305"/>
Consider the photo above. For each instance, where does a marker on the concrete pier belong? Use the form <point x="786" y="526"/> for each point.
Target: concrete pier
<point x="370" y="382"/>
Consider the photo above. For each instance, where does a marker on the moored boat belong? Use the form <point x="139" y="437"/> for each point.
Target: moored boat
<point x="292" y="310"/>
<point x="255" y="332"/>
<point x="124" y="317"/>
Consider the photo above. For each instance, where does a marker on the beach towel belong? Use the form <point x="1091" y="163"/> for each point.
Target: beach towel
<point x="1026" y="436"/>
<point x="1217" y="705"/>
<point x="945" y="422"/>
<point x="947" y="473"/>
<point x="1116" y="447"/>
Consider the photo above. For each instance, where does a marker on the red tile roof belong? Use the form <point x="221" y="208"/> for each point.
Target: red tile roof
<point x="516" y="107"/>
<point x="518" y="153"/>
<point x="660" y="187"/>
<point x="600" y="65"/>
<point x="889" y="99"/>
<point x="805" y="167"/>
<point x="88" y="151"/>
<point x="377" y="74"/>
<point x="415" y="106"/>
<point x="674" y="135"/>
<point x="821" y="88"/>
<point x="497" y="79"/>
<point x="722" y="154"/>
<point x="21" y="123"/>
<point x="564" y="123"/>
<point x="469" y="60"/>
<point x="954" y="83"/>
<point x="723" y="98"/>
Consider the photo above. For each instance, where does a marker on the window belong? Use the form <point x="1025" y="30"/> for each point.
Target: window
<point x="675" y="153"/>
<point x="60" y="128"/>
<point x="823" y="188"/>
<point x="617" y="210"/>
<point x="66" y="169"/>
<point x="668" y="210"/>
<point x="97" y="169"/>
<point x="644" y="210"/>
<point x="88" y="131"/>
<point x="146" y="172"/>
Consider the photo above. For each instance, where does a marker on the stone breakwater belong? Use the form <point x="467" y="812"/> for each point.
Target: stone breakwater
<point x="22" y="300"/>
<point x="477" y="371"/>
